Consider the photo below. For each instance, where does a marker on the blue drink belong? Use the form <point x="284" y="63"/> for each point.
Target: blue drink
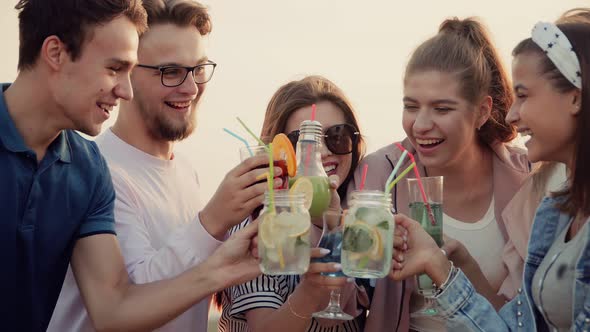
<point x="333" y="242"/>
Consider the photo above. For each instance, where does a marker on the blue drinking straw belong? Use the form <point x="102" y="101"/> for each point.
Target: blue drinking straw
<point x="394" y="172"/>
<point x="241" y="139"/>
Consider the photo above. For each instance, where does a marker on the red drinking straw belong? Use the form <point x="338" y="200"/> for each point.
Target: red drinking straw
<point x="422" y="192"/>
<point x="364" y="178"/>
<point x="308" y="156"/>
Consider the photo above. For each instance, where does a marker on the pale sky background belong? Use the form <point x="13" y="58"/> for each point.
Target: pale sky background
<point x="361" y="46"/>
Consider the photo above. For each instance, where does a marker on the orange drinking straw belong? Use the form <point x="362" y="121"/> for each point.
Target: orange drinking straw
<point x="364" y="178"/>
<point x="422" y="192"/>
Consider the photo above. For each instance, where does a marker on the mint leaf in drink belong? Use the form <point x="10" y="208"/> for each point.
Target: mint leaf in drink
<point x="362" y="213"/>
<point x="300" y="242"/>
<point x="383" y="225"/>
<point x="363" y="262"/>
<point x="357" y="238"/>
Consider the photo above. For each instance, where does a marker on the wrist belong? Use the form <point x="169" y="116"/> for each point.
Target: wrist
<point x="313" y="295"/>
<point x="209" y="273"/>
<point x="211" y="223"/>
<point x="438" y="268"/>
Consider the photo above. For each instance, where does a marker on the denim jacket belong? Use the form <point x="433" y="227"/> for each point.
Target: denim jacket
<point x="465" y="310"/>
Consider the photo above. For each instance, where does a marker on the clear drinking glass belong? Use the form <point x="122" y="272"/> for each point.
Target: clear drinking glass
<point x="283" y="233"/>
<point x="332" y="239"/>
<point x="431" y="218"/>
<point x="367" y="242"/>
<point x="254" y="150"/>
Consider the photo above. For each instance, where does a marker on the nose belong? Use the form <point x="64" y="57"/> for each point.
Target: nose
<point x="423" y="121"/>
<point x="124" y="90"/>
<point x="189" y="86"/>
<point x="513" y="114"/>
<point x="325" y="152"/>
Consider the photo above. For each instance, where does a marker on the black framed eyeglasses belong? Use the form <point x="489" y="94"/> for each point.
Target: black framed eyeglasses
<point x="172" y="75"/>
<point x="340" y="139"/>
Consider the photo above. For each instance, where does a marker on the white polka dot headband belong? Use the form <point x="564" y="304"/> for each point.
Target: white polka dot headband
<point x="559" y="50"/>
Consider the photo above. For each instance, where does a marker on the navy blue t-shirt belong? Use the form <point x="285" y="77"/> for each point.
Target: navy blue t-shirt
<point x="44" y="208"/>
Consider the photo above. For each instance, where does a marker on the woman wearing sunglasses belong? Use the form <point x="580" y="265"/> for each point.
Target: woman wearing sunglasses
<point x="456" y="95"/>
<point x="286" y="303"/>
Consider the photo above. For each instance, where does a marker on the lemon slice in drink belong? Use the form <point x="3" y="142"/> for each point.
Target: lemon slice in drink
<point x="265" y="231"/>
<point x="290" y="224"/>
<point x="303" y="186"/>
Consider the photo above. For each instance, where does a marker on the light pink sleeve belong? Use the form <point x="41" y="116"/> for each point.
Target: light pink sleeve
<point x="186" y="247"/>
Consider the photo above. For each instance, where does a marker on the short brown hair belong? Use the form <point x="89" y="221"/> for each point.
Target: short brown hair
<point x="464" y="48"/>
<point x="577" y="196"/>
<point x="179" y="12"/>
<point x="71" y="21"/>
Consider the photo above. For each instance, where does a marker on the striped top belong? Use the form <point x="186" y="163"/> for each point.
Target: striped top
<point x="265" y="292"/>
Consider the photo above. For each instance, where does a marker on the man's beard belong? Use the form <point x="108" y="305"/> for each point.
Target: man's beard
<point x="162" y="127"/>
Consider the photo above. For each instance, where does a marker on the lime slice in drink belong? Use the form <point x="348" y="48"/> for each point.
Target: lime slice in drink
<point x="303" y="186"/>
<point x="363" y="239"/>
<point x="358" y="237"/>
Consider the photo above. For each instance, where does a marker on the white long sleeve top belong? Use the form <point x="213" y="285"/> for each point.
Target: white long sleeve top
<point x="158" y="228"/>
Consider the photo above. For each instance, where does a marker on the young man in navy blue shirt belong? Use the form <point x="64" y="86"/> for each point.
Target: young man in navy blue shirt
<point x="56" y="194"/>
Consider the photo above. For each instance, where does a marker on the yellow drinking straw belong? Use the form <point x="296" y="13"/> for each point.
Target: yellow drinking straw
<point x="394" y="172"/>
<point x="394" y="182"/>
<point x="271" y="175"/>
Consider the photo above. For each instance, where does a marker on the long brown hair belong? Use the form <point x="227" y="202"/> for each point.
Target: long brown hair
<point x="290" y="98"/>
<point x="463" y="48"/>
<point x="577" y="195"/>
<point x="305" y="92"/>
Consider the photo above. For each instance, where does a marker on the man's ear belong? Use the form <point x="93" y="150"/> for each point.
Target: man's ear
<point x="54" y="52"/>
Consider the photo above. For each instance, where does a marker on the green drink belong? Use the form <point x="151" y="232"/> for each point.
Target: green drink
<point x="419" y="212"/>
<point x="311" y="178"/>
<point x="430" y="216"/>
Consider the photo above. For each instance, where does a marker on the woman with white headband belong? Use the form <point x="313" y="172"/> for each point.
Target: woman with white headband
<point x="550" y="72"/>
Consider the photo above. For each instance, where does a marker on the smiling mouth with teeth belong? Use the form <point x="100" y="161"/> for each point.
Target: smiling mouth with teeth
<point x="429" y="142"/>
<point x="526" y="133"/>
<point x="106" y="108"/>
<point x="178" y="106"/>
<point x="329" y="168"/>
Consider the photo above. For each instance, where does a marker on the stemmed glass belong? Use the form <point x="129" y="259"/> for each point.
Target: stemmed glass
<point x="332" y="240"/>
<point x="426" y="198"/>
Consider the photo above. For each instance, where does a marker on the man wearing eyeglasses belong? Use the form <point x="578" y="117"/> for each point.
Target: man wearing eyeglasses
<point x="162" y="227"/>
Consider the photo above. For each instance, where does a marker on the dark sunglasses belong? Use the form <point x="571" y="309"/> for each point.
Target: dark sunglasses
<point x="340" y="139"/>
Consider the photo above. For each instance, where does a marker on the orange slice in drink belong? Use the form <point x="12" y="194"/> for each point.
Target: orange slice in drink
<point x="283" y="150"/>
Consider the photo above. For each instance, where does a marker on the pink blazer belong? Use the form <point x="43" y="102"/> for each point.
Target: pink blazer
<point x="389" y="309"/>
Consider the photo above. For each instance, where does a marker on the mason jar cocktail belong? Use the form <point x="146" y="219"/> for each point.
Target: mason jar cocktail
<point x="367" y="242"/>
<point x="283" y="232"/>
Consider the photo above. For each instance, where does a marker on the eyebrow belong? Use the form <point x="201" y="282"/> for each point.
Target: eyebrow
<point x="519" y="87"/>
<point x="122" y="63"/>
<point x="437" y="101"/>
<point x="199" y="62"/>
